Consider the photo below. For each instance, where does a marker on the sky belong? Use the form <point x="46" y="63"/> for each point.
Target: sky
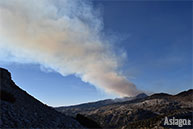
<point x="152" y="38"/>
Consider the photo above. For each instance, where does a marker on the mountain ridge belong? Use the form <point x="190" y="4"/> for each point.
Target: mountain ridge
<point x="106" y="101"/>
<point x="143" y="112"/>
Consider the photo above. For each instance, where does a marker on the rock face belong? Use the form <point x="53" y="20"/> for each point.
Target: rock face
<point x="21" y="110"/>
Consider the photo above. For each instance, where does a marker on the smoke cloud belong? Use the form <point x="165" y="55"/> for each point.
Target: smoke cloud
<point x="64" y="35"/>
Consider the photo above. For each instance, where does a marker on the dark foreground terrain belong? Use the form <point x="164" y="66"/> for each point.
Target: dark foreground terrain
<point x="20" y="110"/>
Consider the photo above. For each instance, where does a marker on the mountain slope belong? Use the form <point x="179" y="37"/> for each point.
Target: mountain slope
<point x="147" y="112"/>
<point x="138" y="113"/>
<point x="20" y="110"/>
<point x="85" y="107"/>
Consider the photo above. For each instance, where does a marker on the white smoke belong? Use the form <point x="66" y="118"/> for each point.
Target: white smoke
<point x="63" y="35"/>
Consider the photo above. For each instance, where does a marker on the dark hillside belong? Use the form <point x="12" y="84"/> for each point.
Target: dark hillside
<point x="21" y="110"/>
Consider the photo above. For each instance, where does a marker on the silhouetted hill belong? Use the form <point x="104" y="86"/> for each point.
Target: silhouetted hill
<point x="21" y="110"/>
<point x="185" y="96"/>
<point x="182" y="97"/>
<point x="185" y="93"/>
<point x="159" y="95"/>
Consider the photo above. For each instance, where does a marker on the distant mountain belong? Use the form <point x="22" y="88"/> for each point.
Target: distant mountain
<point x="141" y="95"/>
<point x="183" y="97"/>
<point x="186" y="96"/>
<point x="141" y="111"/>
<point x="159" y="96"/>
<point x="185" y="93"/>
<point x="75" y="109"/>
<point x="21" y="110"/>
<point x="124" y="99"/>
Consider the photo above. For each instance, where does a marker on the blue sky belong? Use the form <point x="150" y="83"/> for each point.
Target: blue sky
<point x="157" y="37"/>
<point x="159" y="42"/>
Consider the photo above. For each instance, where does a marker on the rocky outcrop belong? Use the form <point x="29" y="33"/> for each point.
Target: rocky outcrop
<point x="21" y="110"/>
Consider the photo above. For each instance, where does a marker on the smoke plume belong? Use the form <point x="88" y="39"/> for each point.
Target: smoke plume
<point x="64" y="35"/>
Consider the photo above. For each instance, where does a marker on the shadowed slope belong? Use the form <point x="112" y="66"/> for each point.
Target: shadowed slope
<point x="21" y="110"/>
